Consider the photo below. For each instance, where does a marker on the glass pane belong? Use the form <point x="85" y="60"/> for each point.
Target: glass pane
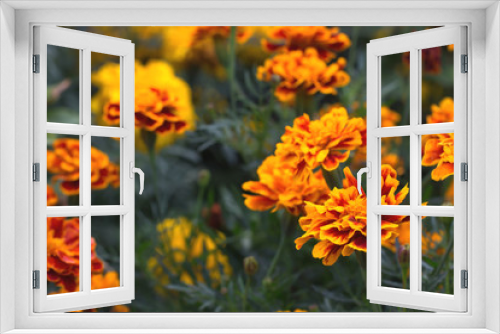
<point x="63" y="255"/>
<point x="105" y="232"/>
<point x="437" y="84"/>
<point x="63" y="170"/>
<point x="395" y="73"/>
<point x="437" y="169"/>
<point x="395" y="170"/>
<point x="105" y="166"/>
<point x="437" y="254"/>
<point x="105" y="89"/>
<point x="63" y="81"/>
<point x="395" y="239"/>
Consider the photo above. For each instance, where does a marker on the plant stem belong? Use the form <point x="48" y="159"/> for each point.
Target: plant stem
<point x="277" y="255"/>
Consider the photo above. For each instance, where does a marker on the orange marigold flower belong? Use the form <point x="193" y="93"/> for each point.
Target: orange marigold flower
<point x="303" y="71"/>
<point x="63" y="253"/>
<point x="430" y="240"/>
<point x="439" y="150"/>
<point x="325" y="142"/>
<point x="389" y="117"/>
<point x="327" y="41"/>
<point x="339" y="224"/>
<point x="51" y="196"/>
<point x="443" y="112"/>
<point x="64" y="162"/>
<point x="104" y="281"/>
<point x="277" y="188"/>
<point x="162" y="100"/>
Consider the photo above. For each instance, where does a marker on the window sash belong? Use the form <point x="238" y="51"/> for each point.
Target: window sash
<point x="413" y="43"/>
<point x="86" y="297"/>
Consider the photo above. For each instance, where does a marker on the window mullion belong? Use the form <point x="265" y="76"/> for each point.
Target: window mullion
<point x="85" y="174"/>
<point x="414" y="167"/>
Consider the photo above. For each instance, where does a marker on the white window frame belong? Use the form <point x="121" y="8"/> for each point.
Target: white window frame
<point x="414" y="297"/>
<point x="85" y="43"/>
<point x="483" y="21"/>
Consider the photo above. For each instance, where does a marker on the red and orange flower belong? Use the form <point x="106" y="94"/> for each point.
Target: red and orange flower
<point x="327" y="41"/>
<point x="162" y="100"/>
<point x="51" y="196"/>
<point x="438" y="149"/>
<point x="439" y="152"/>
<point x="325" y="142"/>
<point x="63" y="253"/>
<point x="303" y="71"/>
<point x="339" y="224"/>
<point x="278" y="188"/>
<point x="64" y="162"/>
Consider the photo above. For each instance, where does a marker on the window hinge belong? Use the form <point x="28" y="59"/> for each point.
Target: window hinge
<point x="36" y="279"/>
<point x="36" y="63"/>
<point x="36" y="172"/>
<point x="464" y="172"/>
<point x="465" y="64"/>
<point x="464" y="279"/>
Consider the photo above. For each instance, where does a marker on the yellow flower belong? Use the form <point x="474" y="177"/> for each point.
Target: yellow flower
<point x="277" y="188"/>
<point x="187" y="253"/>
<point x="187" y="47"/>
<point x="325" y="142"/>
<point x="339" y="224"/>
<point x="303" y="71"/>
<point x="162" y="100"/>
<point x="296" y="310"/>
<point x="327" y="41"/>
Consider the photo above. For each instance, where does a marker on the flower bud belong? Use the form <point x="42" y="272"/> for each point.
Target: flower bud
<point x="203" y="177"/>
<point x="404" y="254"/>
<point x="250" y="265"/>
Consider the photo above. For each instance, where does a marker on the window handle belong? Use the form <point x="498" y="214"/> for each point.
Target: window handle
<point x="141" y="176"/>
<point x="368" y="171"/>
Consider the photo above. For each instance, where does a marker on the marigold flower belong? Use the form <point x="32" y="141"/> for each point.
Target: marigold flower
<point x="64" y="162"/>
<point x="296" y="310"/>
<point x="183" y="245"/>
<point x="443" y="112"/>
<point x="51" y="196"/>
<point x="430" y="240"/>
<point x="104" y="281"/>
<point x="389" y="117"/>
<point x="303" y="71"/>
<point x="325" y="142"/>
<point x="327" y="41"/>
<point x="278" y="188"/>
<point x="162" y="100"/>
<point x="439" y="150"/>
<point x="63" y="253"/>
<point x="339" y="224"/>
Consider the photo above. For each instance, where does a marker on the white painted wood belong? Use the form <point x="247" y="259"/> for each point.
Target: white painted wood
<point x="413" y="43"/>
<point x="7" y="167"/>
<point x="86" y="43"/>
<point x="185" y="14"/>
